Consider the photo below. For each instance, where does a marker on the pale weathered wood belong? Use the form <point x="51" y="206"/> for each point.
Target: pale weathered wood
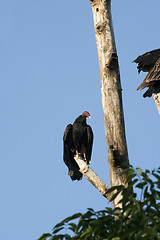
<point x="157" y="100"/>
<point x="111" y="91"/>
<point x="92" y="177"/>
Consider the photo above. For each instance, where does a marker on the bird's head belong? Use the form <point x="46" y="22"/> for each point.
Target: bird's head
<point x="86" y="114"/>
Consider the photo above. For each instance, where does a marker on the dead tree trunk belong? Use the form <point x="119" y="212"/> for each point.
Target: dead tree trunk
<point x="111" y="91"/>
<point x="111" y="102"/>
<point x="157" y="100"/>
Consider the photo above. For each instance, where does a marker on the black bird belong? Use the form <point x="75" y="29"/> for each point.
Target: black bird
<point x="77" y="139"/>
<point x="150" y="62"/>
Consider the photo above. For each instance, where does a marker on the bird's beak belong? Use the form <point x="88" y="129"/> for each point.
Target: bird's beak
<point x="89" y="116"/>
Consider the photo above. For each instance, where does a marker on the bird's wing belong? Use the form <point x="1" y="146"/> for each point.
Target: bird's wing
<point x="89" y="143"/>
<point x="148" y="57"/>
<point x="68" y="155"/>
<point x="147" y="60"/>
<point x="152" y="77"/>
<point x="156" y="76"/>
<point x="67" y="144"/>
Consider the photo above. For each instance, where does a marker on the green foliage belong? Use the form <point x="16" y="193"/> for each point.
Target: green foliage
<point x="138" y="218"/>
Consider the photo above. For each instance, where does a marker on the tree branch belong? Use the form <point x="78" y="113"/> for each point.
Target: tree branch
<point x="92" y="177"/>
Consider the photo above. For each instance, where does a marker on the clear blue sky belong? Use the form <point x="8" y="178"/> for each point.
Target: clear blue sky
<point x="49" y="75"/>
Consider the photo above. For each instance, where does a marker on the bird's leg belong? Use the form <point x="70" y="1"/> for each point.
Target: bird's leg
<point x="86" y="167"/>
<point x="83" y="164"/>
<point x="79" y="155"/>
<point x="84" y="156"/>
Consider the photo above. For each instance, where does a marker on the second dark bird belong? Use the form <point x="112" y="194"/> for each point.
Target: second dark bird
<point x="77" y="138"/>
<point x="150" y="62"/>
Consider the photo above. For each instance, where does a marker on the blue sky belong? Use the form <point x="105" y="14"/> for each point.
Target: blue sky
<point x="50" y="75"/>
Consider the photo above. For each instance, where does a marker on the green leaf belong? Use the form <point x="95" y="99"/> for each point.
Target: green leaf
<point x="156" y="175"/>
<point x="139" y="171"/>
<point x="120" y="187"/>
<point x="130" y="177"/>
<point x="90" y="209"/>
<point x="89" y="230"/>
<point x="141" y="184"/>
<point x="57" y="230"/>
<point x="73" y="226"/>
<point x="67" y="236"/>
<point x="114" y="196"/>
<point x="127" y="170"/>
<point x="145" y="194"/>
<point x="66" y="220"/>
<point x="74" y="216"/>
<point x="45" y="236"/>
<point x="59" y="224"/>
<point x="133" y="182"/>
<point x="117" y="211"/>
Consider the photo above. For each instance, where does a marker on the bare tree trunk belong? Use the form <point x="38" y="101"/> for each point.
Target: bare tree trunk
<point x="111" y="91"/>
<point x="157" y="100"/>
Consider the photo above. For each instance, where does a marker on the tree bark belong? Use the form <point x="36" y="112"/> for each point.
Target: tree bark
<point x="157" y="100"/>
<point x="92" y="177"/>
<point x="110" y="91"/>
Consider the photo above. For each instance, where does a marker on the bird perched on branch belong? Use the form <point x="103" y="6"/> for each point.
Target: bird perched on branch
<point x="77" y="139"/>
<point x="150" y="62"/>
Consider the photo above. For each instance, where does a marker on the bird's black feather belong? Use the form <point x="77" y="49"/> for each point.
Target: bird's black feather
<point x="77" y="138"/>
<point x="147" y="60"/>
<point x="150" y="62"/>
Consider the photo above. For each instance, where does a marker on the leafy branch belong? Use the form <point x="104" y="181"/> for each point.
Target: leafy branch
<point x="136" y="219"/>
